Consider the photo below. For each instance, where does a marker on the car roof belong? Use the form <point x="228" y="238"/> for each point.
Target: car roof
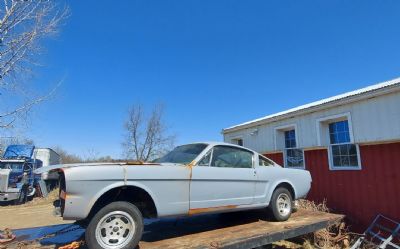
<point x="214" y="143"/>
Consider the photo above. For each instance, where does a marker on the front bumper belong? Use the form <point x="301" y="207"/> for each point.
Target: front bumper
<point x="8" y="196"/>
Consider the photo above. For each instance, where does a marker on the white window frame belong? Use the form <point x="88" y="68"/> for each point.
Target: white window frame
<point x="331" y="119"/>
<point x="282" y="129"/>
<point x="235" y="139"/>
<point x="334" y="168"/>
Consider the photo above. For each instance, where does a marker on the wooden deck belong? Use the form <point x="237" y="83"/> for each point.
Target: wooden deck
<point x="235" y="230"/>
<point x="232" y="230"/>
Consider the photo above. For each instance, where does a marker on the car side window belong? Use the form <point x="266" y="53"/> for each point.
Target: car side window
<point x="263" y="161"/>
<point x="231" y="157"/>
<point x="205" y="161"/>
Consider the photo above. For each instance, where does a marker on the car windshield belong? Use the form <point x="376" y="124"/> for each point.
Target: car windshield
<point x="183" y="154"/>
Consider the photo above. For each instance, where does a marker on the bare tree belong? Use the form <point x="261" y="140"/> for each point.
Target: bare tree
<point x="67" y="157"/>
<point x="5" y="141"/>
<point x="147" y="137"/>
<point x="23" y="25"/>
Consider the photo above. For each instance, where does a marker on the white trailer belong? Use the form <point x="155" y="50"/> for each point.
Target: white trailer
<point x="47" y="157"/>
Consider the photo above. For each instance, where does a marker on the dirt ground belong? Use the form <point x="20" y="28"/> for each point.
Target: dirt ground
<point x="15" y="217"/>
<point x="35" y="213"/>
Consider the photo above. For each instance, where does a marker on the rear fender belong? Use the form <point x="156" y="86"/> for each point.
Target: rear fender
<point x="275" y="185"/>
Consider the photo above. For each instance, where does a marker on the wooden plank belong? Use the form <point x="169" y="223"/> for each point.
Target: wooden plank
<point x="236" y="230"/>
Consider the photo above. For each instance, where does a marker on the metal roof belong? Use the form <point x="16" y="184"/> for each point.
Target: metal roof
<point x="335" y="99"/>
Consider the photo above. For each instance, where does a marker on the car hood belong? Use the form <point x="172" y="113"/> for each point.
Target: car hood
<point x="66" y="166"/>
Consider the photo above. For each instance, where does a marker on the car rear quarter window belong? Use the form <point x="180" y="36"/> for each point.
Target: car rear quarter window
<point x="262" y="161"/>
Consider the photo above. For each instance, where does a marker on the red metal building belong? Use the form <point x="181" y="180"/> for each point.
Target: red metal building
<point x="350" y="143"/>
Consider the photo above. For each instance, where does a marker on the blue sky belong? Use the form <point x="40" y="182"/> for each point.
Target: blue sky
<point x="212" y="63"/>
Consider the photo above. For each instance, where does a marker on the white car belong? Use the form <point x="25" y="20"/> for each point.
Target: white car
<point x="192" y="179"/>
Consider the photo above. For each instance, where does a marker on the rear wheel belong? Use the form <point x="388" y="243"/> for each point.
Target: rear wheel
<point x="118" y="225"/>
<point x="281" y="204"/>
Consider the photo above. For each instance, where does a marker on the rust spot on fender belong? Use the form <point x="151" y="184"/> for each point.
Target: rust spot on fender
<point x="194" y="211"/>
<point x="190" y="166"/>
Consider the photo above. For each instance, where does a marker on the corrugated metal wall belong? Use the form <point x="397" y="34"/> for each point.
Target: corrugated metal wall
<point x="276" y="157"/>
<point x="360" y="194"/>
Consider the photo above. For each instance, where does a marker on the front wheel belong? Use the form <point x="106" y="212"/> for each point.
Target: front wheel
<point x="118" y="225"/>
<point x="281" y="204"/>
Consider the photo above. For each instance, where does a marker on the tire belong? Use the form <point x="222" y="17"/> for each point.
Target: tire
<point x="118" y="225"/>
<point x="281" y="204"/>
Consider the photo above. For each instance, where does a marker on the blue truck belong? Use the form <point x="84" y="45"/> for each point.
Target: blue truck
<point x="17" y="178"/>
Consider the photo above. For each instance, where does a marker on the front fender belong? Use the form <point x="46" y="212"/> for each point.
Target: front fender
<point x="118" y="185"/>
<point x="78" y="207"/>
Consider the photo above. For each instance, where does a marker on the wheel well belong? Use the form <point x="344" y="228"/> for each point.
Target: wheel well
<point x="135" y="195"/>
<point x="288" y="187"/>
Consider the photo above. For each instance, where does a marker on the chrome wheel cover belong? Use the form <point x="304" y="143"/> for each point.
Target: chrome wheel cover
<point x="284" y="204"/>
<point x="115" y="230"/>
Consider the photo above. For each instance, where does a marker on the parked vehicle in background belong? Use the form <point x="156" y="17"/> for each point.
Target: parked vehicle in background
<point x="192" y="179"/>
<point x="17" y="177"/>
<point x="48" y="157"/>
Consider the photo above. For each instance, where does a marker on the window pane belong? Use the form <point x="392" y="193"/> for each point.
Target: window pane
<point x="294" y="158"/>
<point x="336" y="161"/>
<point x="290" y="139"/>
<point x="344" y="155"/>
<point x="344" y="161"/>
<point x="237" y="141"/>
<point x="335" y="150"/>
<point x="225" y="156"/>
<point x="339" y="132"/>
<point x="352" y="149"/>
<point x="332" y="137"/>
<point x="353" y="161"/>
<point x="332" y="128"/>
<point x="340" y="126"/>
<point x="343" y="149"/>
<point x="342" y="137"/>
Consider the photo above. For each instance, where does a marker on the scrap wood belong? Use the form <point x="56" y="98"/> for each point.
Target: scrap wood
<point x="73" y="245"/>
<point x="7" y="236"/>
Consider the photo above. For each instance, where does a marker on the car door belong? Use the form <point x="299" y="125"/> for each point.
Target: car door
<point x="224" y="178"/>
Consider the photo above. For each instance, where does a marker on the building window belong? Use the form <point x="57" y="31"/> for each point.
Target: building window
<point x="238" y="141"/>
<point x="344" y="154"/>
<point x="294" y="157"/>
<point x="290" y="139"/>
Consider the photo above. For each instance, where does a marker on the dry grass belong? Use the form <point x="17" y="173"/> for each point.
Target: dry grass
<point x="334" y="236"/>
<point x="312" y="206"/>
<point x="52" y="196"/>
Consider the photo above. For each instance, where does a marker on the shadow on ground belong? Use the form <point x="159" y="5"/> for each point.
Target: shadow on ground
<point x="155" y="230"/>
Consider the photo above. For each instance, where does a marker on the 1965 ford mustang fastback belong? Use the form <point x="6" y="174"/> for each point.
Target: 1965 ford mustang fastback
<point x="192" y="179"/>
